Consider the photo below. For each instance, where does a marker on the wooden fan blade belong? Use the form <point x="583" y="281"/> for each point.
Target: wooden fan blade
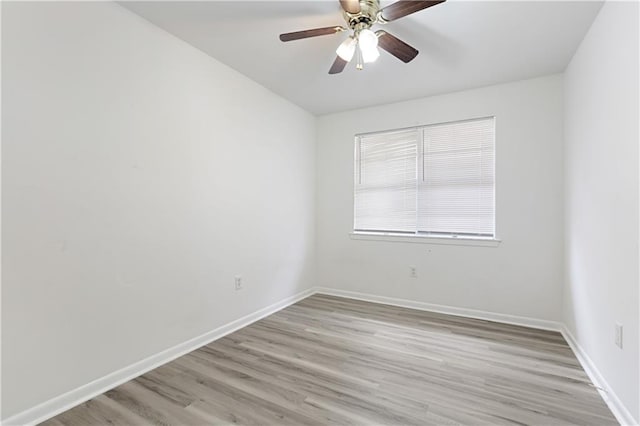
<point x="396" y="47"/>
<point x="338" y="65"/>
<point x="403" y="8"/>
<point x="350" y="6"/>
<point x="297" y="35"/>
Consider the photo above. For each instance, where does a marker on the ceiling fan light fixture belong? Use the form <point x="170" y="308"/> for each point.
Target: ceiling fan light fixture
<point x="367" y="39"/>
<point x="370" y="55"/>
<point x="346" y="49"/>
<point x="368" y="44"/>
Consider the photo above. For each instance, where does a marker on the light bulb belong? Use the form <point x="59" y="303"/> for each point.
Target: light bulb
<point x="368" y="43"/>
<point x="346" y="49"/>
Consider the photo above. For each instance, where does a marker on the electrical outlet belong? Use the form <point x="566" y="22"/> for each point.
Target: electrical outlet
<point x="413" y="272"/>
<point x="238" y="280"/>
<point x="618" y="339"/>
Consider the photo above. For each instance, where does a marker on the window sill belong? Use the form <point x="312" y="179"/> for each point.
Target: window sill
<point x="402" y="238"/>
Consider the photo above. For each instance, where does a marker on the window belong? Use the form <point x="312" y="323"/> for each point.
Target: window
<point x="435" y="180"/>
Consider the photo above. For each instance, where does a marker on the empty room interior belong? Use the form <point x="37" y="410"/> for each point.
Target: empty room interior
<point x="314" y="212"/>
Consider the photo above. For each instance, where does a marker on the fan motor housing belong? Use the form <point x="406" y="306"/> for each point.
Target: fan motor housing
<point x="368" y="15"/>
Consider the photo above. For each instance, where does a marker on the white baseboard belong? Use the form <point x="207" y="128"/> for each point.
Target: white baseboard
<point x="444" y="309"/>
<point x="618" y="409"/>
<point x="61" y="403"/>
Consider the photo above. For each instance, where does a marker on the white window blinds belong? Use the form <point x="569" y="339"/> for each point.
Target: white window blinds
<point x="432" y="180"/>
<point x="386" y="183"/>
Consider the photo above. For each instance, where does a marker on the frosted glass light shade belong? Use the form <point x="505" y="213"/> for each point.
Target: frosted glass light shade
<point x="370" y="55"/>
<point x="367" y="39"/>
<point x="347" y="49"/>
<point x="368" y="43"/>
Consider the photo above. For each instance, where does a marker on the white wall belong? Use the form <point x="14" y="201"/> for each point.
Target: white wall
<point x="139" y="176"/>
<point x="523" y="276"/>
<point x="601" y="161"/>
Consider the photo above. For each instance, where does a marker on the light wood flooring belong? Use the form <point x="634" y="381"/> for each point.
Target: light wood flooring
<point x="330" y="360"/>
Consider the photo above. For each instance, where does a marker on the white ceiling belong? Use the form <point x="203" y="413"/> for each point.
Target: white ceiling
<point x="462" y="44"/>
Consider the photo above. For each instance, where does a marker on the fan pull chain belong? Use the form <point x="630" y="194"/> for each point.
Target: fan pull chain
<point x="359" y="64"/>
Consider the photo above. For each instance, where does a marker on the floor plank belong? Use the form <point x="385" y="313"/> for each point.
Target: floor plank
<point x="330" y="360"/>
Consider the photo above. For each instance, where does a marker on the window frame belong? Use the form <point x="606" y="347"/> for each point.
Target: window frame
<point x="418" y="237"/>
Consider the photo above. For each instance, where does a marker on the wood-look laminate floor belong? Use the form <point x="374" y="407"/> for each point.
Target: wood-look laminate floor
<point x="329" y="360"/>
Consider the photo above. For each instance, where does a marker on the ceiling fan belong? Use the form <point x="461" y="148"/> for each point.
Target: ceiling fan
<point x="360" y="16"/>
